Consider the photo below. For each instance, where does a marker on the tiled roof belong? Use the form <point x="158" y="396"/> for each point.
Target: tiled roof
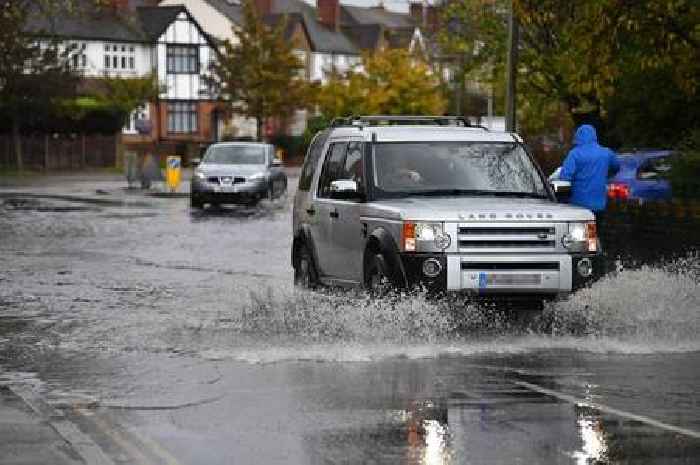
<point x="364" y="36"/>
<point x="323" y="39"/>
<point x="292" y="20"/>
<point x="232" y="10"/>
<point x="357" y="15"/>
<point x="155" y="20"/>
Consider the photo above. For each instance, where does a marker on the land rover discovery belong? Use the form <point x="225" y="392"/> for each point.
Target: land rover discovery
<point x="437" y="203"/>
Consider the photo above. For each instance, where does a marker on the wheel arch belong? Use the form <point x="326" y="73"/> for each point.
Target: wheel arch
<point x="381" y="242"/>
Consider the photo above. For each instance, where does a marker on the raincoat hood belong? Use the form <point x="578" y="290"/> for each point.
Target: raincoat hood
<point x="585" y="135"/>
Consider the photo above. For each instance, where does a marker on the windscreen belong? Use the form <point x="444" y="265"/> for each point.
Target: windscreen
<point x="236" y="155"/>
<point x="451" y="168"/>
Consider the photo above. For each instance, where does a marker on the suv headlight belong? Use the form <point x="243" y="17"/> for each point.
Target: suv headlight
<point x="424" y="237"/>
<point x="582" y="237"/>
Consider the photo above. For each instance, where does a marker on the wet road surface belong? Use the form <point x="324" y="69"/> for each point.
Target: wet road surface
<point x="174" y="336"/>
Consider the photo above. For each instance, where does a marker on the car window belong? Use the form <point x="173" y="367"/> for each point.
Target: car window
<point x="311" y="161"/>
<point x="655" y="168"/>
<point x="236" y="155"/>
<point x="333" y="168"/>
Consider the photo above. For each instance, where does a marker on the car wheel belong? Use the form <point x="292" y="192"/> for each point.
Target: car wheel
<point x="305" y="275"/>
<point x="377" y="279"/>
<point x="195" y="202"/>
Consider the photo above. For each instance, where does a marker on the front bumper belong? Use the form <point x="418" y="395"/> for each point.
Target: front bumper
<point x="208" y="192"/>
<point x="493" y="274"/>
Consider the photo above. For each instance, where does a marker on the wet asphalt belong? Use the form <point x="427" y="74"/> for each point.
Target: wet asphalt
<point x="172" y="336"/>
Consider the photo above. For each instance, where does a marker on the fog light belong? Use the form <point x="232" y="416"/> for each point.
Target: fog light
<point x="585" y="267"/>
<point x="431" y="267"/>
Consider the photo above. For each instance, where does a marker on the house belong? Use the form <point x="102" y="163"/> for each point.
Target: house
<point x="328" y="37"/>
<point x="132" y="38"/>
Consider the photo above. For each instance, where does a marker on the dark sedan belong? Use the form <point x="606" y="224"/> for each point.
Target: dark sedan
<point x="237" y="173"/>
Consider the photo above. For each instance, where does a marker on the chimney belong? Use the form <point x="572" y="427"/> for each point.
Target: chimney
<point x="263" y="7"/>
<point x="431" y="18"/>
<point x="416" y="12"/>
<point x="119" y="5"/>
<point x="329" y="13"/>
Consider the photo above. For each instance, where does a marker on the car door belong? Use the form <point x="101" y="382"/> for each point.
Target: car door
<point x="346" y="229"/>
<point x="324" y="210"/>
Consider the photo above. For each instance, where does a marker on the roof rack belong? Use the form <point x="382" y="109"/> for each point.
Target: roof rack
<point x="390" y="120"/>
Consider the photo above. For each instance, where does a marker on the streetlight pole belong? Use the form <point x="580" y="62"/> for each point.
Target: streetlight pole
<point x="512" y="67"/>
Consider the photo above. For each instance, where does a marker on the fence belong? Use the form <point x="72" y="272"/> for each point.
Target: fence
<point x="60" y="152"/>
<point x="652" y="231"/>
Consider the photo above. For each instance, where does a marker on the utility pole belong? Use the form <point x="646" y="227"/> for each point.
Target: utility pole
<point x="512" y="67"/>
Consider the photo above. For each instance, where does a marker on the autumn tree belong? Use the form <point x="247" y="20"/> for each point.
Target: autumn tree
<point x="260" y="75"/>
<point x="390" y="82"/>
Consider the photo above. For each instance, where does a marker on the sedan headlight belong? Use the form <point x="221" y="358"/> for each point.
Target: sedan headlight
<point x="256" y="177"/>
<point x="582" y="237"/>
<point x="424" y="237"/>
<point x="200" y="175"/>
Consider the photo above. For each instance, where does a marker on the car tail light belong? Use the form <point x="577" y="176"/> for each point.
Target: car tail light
<point x="618" y="191"/>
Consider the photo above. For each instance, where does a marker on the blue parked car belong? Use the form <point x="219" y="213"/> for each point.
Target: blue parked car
<point x="642" y="176"/>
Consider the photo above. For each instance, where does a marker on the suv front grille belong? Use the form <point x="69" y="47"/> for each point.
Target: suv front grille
<point x="519" y="266"/>
<point x="478" y="238"/>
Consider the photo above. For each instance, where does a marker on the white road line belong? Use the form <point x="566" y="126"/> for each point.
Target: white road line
<point x="81" y="443"/>
<point x="610" y="410"/>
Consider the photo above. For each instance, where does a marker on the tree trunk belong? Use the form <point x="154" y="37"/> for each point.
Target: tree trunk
<point x="259" y="124"/>
<point x="17" y="142"/>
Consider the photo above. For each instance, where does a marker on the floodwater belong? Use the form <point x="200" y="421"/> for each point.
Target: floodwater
<point x="179" y="332"/>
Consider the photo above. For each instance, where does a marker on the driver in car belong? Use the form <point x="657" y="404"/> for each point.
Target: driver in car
<point x="401" y="172"/>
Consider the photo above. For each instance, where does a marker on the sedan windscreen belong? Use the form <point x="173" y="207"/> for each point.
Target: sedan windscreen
<point x="453" y="168"/>
<point x="236" y="155"/>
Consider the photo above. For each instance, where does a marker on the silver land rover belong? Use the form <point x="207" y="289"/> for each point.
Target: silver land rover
<point x="436" y="203"/>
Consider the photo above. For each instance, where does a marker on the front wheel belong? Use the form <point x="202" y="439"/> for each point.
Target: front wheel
<point x="377" y="279"/>
<point x="305" y="275"/>
<point x="196" y="202"/>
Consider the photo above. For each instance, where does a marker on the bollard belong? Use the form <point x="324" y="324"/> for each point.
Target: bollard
<point x="131" y="168"/>
<point x="173" y="173"/>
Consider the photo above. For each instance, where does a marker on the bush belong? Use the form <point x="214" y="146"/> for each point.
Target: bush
<point x="685" y="174"/>
<point x="293" y="146"/>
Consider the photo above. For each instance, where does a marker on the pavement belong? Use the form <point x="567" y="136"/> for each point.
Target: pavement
<point x="136" y="330"/>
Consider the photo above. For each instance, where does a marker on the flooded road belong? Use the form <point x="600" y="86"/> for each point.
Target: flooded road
<point x="175" y="336"/>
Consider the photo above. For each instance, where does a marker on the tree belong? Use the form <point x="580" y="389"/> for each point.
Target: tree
<point x="390" y="82"/>
<point x="34" y="77"/>
<point x="260" y="75"/>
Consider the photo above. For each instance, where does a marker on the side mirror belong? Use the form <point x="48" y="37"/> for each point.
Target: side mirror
<point x="195" y="161"/>
<point x="276" y="162"/>
<point x="562" y="189"/>
<point x="344" y="189"/>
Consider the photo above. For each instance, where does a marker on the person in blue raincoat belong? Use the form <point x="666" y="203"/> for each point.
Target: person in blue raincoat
<point x="588" y="166"/>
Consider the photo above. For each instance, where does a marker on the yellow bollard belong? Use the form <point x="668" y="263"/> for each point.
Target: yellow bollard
<point x="172" y="173"/>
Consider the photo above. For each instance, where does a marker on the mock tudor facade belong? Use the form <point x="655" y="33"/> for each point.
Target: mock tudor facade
<point x="129" y="39"/>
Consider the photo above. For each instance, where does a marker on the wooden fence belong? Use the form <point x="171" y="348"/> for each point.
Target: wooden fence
<point x="61" y="152"/>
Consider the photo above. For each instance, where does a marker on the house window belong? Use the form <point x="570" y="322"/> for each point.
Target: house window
<point x="182" y="117"/>
<point x="183" y="59"/>
<point x="119" y="57"/>
<point x="78" y="58"/>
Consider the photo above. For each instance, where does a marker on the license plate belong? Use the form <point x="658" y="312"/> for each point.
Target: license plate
<point x="508" y="279"/>
<point x="224" y="189"/>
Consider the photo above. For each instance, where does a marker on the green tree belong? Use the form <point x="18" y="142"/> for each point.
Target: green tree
<point x="260" y="75"/>
<point x="34" y="77"/>
<point x="391" y="82"/>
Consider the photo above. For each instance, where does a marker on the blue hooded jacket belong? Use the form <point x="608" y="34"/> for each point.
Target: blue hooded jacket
<point x="587" y="167"/>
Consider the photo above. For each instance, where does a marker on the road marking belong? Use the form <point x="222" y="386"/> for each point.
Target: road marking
<point x="610" y="410"/>
<point x="81" y="443"/>
<point x="121" y="438"/>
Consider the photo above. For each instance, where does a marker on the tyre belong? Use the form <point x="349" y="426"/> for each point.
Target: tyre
<point x="196" y="202"/>
<point x="377" y="278"/>
<point x="305" y="275"/>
